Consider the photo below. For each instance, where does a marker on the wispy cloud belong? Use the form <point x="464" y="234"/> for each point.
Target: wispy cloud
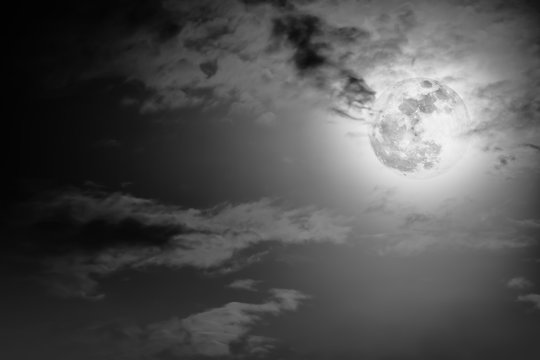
<point x="217" y="332"/>
<point x="244" y="284"/>
<point x="420" y="241"/>
<point x="80" y="235"/>
<point x="533" y="299"/>
<point x="519" y="283"/>
<point x="452" y="225"/>
<point x="528" y="223"/>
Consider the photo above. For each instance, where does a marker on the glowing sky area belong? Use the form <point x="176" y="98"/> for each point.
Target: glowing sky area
<point x="194" y="179"/>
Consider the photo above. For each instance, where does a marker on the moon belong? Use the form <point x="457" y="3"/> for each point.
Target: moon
<point x="419" y="128"/>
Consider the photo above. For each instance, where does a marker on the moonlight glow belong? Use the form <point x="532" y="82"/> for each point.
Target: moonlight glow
<point x="419" y="128"/>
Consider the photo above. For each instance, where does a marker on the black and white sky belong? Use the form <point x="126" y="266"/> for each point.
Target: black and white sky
<point x="193" y="179"/>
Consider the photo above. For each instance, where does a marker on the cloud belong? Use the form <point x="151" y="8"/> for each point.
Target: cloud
<point x="217" y="332"/>
<point x="266" y="119"/>
<point x="411" y="219"/>
<point x="528" y="223"/>
<point x="519" y="283"/>
<point x="416" y="242"/>
<point x="83" y="235"/>
<point x="299" y="31"/>
<point x="534" y="299"/>
<point x="381" y="200"/>
<point x="205" y="54"/>
<point x="452" y="225"/>
<point x="470" y="46"/>
<point x="68" y="284"/>
<point x="532" y="146"/>
<point x="244" y="284"/>
<point x="331" y="55"/>
<point x="439" y="234"/>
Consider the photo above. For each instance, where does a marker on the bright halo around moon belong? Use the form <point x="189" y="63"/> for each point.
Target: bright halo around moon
<point x="419" y="128"/>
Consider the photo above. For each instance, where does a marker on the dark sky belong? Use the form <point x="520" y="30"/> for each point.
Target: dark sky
<point x="195" y="180"/>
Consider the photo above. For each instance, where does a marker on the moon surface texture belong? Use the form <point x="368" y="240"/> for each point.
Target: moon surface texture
<point x="419" y="128"/>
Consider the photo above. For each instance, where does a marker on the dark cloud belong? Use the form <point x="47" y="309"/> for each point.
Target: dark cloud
<point x="299" y="31"/>
<point x="280" y="4"/>
<point x="355" y="94"/>
<point x="415" y="218"/>
<point x="533" y="146"/>
<point x="209" y="67"/>
<point x="59" y="232"/>
<point x="315" y="55"/>
<point x="504" y="160"/>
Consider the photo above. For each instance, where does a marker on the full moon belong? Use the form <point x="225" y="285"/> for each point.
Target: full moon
<point x="419" y="128"/>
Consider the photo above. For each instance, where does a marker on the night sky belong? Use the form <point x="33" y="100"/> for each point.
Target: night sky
<point x="194" y="179"/>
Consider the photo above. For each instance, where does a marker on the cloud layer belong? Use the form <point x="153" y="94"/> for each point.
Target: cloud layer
<point x="258" y="59"/>
<point x="81" y="235"/>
